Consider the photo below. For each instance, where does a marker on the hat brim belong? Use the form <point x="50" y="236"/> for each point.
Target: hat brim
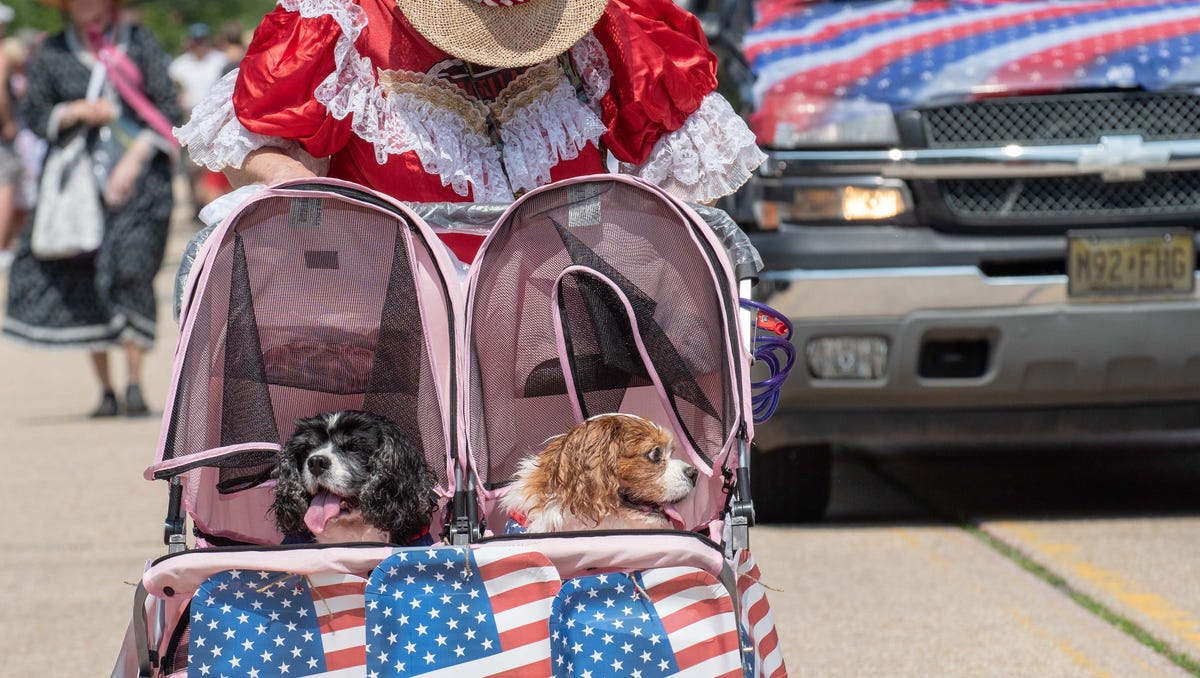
<point x="515" y="35"/>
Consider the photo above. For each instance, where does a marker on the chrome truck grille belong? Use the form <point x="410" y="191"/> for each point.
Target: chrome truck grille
<point x="1162" y="194"/>
<point x="1061" y="120"/>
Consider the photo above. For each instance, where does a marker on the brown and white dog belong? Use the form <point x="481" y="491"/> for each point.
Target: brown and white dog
<point x="613" y="471"/>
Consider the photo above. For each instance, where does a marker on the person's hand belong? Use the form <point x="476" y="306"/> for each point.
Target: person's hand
<point x="9" y="130"/>
<point x="93" y="113"/>
<point x="123" y="179"/>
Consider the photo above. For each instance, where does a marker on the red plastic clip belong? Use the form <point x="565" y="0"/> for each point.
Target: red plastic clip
<point x="770" y="323"/>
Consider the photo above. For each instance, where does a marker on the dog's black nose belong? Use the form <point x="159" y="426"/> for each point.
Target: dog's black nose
<point x="691" y="472"/>
<point x="318" y="465"/>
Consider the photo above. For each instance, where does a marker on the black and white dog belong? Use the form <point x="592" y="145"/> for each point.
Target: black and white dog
<point x="352" y="476"/>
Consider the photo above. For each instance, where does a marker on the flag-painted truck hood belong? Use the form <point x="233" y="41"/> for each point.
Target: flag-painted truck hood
<point x="826" y="62"/>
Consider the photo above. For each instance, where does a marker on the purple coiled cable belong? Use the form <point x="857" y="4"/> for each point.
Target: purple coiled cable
<point x="774" y="351"/>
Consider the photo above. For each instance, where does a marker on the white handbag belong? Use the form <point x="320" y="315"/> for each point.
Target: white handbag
<point x="69" y="218"/>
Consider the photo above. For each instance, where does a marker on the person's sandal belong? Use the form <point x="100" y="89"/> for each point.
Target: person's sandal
<point x="107" y="407"/>
<point x="135" y="404"/>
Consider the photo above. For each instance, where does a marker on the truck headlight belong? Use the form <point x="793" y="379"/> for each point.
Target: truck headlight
<point x="830" y="203"/>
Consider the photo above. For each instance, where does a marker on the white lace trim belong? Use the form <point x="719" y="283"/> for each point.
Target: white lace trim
<point x="443" y="140"/>
<point x="709" y="157"/>
<point x="215" y="138"/>
<point x="555" y="126"/>
<point x="591" y="62"/>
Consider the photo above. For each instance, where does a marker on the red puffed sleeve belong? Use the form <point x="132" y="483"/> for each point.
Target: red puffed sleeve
<point x="287" y="59"/>
<point x="661" y="71"/>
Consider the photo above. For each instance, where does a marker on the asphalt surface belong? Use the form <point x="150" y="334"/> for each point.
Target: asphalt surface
<point x="1076" y="562"/>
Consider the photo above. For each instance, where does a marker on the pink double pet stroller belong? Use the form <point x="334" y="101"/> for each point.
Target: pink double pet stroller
<point x="590" y="296"/>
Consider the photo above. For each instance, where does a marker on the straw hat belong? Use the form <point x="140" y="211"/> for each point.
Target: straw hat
<point x="503" y="32"/>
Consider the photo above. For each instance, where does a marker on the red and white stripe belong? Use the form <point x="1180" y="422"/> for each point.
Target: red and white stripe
<point x="521" y="586"/>
<point x="338" y="600"/>
<point x="697" y="613"/>
<point x="757" y="618"/>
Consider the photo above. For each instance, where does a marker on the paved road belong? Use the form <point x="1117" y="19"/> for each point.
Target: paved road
<point x="996" y="562"/>
<point x="78" y="519"/>
<point x="909" y="577"/>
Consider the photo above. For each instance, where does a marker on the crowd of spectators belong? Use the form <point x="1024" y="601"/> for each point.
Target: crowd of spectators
<point x="204" y="57"/>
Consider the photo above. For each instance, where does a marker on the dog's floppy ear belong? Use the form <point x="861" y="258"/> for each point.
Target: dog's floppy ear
<point x="398" y="497"/>
<point x="583" y="469"/>
<point x="291" y="501"/>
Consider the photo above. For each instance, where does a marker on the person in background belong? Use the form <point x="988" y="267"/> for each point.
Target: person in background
<point x="475" y="100"/>
<point x="20" y="50"/>
<point x="104" y="300"/>
<point x="30" y="148"/>
<point x="231" y="40"/>
<point x="10" y="163"/>
<point x="197" y="68"/>
<point x="194" y="72"/>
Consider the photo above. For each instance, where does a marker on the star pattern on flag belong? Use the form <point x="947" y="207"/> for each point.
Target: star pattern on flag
<point x="605" y="625"/>
<point x="254" y="624"/>
<point x="427" y="610"/>
<point x="478" y="610"/>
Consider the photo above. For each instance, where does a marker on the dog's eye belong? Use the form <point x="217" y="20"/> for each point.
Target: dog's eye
<point x="655" y="455"/>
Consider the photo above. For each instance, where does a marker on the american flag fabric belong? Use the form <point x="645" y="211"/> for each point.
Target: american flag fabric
<point x="756" y="618"/>
<point x="835" y="59"/>
<point x="453" y="611"/>
<point x="271" y="624"/>
<point x="675" y="621"/>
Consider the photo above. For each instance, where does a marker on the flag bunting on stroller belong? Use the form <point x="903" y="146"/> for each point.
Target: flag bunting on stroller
<point x="460" y="612"/>
<point x="262" y="624"/>
<point x="674" y="621"/>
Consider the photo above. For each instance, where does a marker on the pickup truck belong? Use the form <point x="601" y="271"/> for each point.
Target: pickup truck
<point x="979" y="215"/>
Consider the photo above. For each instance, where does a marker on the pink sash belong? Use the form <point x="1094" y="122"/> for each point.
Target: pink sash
<point x="127" y="79"/>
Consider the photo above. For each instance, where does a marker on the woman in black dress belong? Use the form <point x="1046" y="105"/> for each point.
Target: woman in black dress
<point x="104" y="300"/>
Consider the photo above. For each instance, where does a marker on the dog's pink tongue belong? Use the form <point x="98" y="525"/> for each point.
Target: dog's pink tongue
<point x="323" y="508"/>
<point x="674" y="517"/>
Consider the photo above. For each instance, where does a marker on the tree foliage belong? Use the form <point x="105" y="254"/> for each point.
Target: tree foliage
<point x="166" y="18"/>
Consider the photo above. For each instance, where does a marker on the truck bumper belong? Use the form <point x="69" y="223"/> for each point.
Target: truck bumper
<point x="1051" y="365"/>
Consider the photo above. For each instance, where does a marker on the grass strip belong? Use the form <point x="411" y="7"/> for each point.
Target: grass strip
<point x="1126" y="625"/>
<point x="1120" y="621"/>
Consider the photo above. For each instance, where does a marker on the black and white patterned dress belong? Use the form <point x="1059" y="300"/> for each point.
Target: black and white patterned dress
<point x="103" y="300"/>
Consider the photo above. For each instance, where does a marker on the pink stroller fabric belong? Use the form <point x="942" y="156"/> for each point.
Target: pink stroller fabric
<point x="307" y="300"/>
<point x="603" y="295"/>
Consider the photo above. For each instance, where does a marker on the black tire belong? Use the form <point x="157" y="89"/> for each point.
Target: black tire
<point x="791" y="484"/>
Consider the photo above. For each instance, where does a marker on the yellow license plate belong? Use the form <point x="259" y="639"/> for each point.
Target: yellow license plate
<point x="1121" y="262"/>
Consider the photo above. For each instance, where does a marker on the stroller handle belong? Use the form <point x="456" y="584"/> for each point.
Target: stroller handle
<point x="479" y="217"/>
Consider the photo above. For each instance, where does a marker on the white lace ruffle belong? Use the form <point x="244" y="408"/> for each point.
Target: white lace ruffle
<point x="444" y="142"/>
<point x="709" y="157"/>
<point x="555" y="126"/>
<point x="215" y="138"/>
<point x="591" y="62"/>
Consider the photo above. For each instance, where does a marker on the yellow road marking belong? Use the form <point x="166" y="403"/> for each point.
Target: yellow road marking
<point x="1073" y="653"/>
<point x="1129" y="592"/>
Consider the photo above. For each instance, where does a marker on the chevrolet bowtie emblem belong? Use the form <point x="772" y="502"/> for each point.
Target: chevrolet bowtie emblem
<point x="1124" y="157"/>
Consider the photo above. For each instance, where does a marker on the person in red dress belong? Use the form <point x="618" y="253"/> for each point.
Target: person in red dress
<point x="475" y="100"/>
